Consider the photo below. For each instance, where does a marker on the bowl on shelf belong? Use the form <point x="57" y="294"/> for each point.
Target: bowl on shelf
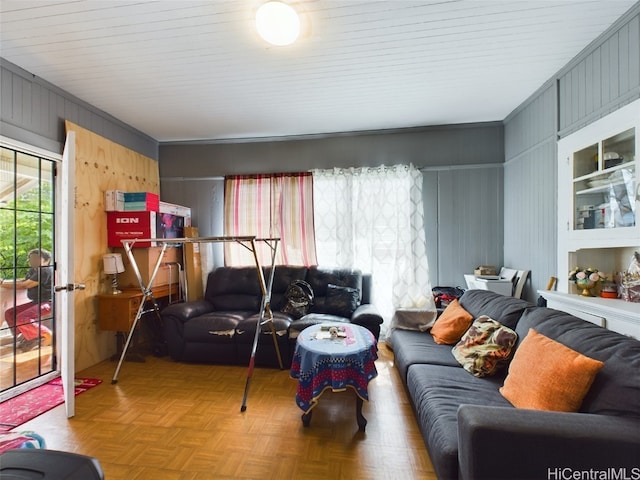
<point x="598" y="182"/>
<point x="609" y="294"/>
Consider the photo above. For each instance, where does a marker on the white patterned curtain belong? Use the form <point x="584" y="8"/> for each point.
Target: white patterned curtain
<point x="372" y="219"/>
<point x="270" y="206"/>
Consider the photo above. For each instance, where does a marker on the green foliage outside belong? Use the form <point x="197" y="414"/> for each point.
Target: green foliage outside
<point x="32" y="216"/>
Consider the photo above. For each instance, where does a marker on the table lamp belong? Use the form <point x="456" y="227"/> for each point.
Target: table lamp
<point x="113" y="266"/>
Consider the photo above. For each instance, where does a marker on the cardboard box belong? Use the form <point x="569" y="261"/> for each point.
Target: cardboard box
<point x="173" y="209"/>
<point x="129" y="226"/>
<point x="146" y="259"/>
<point x="141" y="197"/>
<point x="140" y="207"/>
<point x="141" y="202"/>
<point x="485" y="270"/>
<point x="193" y="266"/>
<point x="114" y="201"/>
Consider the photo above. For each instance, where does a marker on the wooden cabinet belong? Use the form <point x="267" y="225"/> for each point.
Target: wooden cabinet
<point x="118" y="312"/>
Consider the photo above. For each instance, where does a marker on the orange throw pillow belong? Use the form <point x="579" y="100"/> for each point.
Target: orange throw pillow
<point x="452" y="324"/>
<point x="547" y="375"/>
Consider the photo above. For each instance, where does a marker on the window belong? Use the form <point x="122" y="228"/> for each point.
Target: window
<point x="270" y="206"/>
<point x="372" y="219"/>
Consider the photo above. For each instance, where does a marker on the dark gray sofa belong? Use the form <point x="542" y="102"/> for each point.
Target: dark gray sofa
<point x="221" y="327"/>
<point x="472" y="432"/>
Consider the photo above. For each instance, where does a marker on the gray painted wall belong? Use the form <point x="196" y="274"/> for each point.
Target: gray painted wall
<point x="601" y="79"/>
<point x="205" y="197"/>
<point x="440" y="145"/>
<point x="462" y="184"/>
<point x="464" y="208"/>
<point x="33" y="111"/>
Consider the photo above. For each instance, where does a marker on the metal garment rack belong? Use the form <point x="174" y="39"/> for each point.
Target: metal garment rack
<point x="266" y="315"/>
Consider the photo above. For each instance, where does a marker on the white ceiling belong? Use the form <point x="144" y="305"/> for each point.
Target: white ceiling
<point x="188" y="70"/>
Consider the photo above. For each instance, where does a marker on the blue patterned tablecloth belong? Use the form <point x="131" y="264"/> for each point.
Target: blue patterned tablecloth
<point x="321" y="363"/>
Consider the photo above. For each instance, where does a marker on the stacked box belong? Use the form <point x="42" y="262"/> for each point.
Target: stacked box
<point x="146" y="259"/>
<point x="129" y="226"/>
<point x="173" y="209"/>
<point x="178" y="210"/>
<point x="193" y="266"/>
<point x="141" y="202"/>
<point x="114" y="201"/>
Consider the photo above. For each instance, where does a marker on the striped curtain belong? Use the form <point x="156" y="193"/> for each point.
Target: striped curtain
<point x="270" y="206"/>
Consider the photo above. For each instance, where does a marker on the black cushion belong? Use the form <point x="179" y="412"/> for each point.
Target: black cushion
<point x="246" y="329"/>
<point x="437" y="391"/>
<point x="503" y="309"/>
<point x="319" y="278"/>
<point x="232" y="281"/>
<point x="341" y="301"/>
<point x="419" y="348"/>
<point x="214" y="327"/>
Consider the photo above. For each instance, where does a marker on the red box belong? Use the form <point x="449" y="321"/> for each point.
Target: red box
<point x="129" y="226"/>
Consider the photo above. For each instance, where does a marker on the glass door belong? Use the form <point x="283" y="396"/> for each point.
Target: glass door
<point x="604" y="183"/>
<point x="27" y="250"/>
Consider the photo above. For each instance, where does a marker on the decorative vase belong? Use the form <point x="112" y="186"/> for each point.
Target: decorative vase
<point x="586" y="285"/>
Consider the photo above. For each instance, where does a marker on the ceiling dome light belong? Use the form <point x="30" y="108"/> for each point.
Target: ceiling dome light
<point x="278" y="23"/>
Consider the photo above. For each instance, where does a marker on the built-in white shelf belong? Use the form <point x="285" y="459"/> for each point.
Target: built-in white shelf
<point x="613" y="314"/>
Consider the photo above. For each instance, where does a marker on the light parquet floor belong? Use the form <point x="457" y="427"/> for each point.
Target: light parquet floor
<point x="168" y="420"/>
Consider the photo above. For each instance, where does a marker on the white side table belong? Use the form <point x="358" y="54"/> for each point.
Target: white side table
<point x="501" y="286"/>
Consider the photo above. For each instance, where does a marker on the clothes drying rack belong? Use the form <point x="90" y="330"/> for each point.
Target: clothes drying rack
<point x="265" y="316"/>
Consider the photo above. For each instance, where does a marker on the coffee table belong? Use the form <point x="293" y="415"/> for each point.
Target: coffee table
<point x="321" y="363"/>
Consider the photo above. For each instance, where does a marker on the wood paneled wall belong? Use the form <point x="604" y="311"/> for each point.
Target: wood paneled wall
<point x="601" y="79"/>
<point x="463" y="216"/>
<point x="33" y="111"/>
<point x="100" y="165"/>
<point x="530" y="191"/>
<point x="604" y="79"/>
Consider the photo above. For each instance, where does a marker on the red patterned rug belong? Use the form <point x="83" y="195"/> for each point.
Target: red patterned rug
<point x="29" y="405"/>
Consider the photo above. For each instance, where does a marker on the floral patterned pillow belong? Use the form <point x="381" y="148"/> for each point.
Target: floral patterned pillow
<point x="485" y="347"/>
